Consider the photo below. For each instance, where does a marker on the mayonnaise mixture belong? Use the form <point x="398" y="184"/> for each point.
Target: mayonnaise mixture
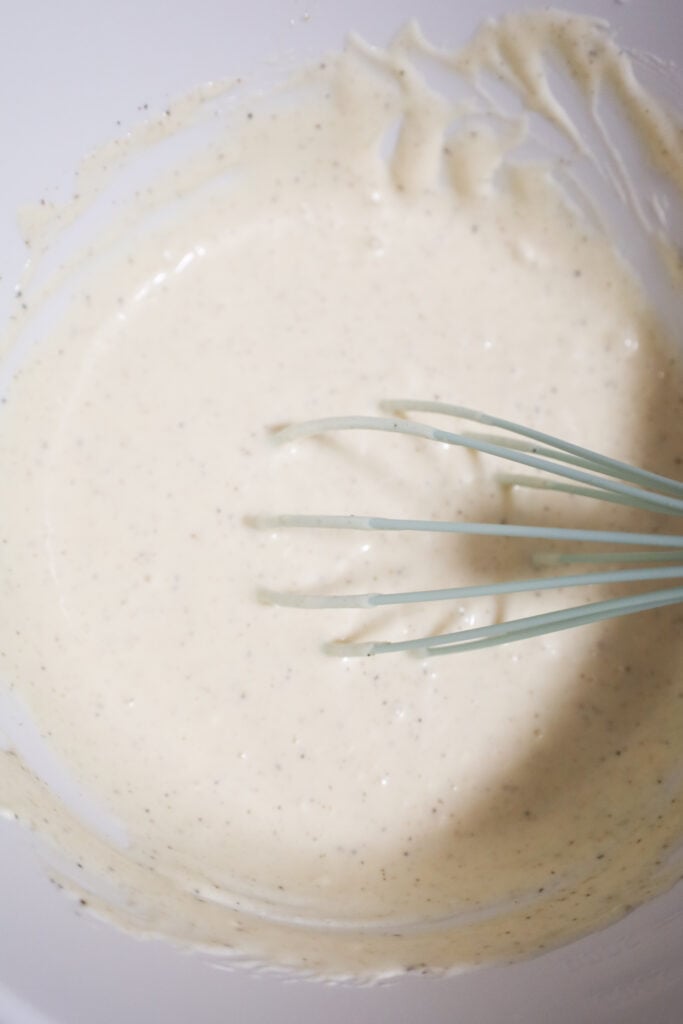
<point x="208" y="772"/>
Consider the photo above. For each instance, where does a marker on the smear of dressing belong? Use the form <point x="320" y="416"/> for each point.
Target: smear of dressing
<point x="382" y="227"/>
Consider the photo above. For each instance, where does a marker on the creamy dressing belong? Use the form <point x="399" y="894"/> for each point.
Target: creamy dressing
<point x="344" y="816"/>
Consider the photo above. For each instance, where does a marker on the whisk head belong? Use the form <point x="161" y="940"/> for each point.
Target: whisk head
<point x="652" y="558"/>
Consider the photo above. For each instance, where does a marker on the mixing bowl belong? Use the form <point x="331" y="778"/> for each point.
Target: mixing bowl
<point x="78" y="75"/>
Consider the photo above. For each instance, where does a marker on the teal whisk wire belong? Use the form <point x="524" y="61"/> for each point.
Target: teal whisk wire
<point x="590" y="475"/>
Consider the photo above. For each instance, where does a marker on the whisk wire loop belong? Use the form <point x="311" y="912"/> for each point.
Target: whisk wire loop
<point x="607" y="465"/>
<point x="516" y="629"/>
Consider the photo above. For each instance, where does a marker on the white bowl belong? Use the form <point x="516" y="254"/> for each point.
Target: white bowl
<point x="77" y="74"/>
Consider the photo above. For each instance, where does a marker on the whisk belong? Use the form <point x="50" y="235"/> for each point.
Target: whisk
<point x="563" y="467"/>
